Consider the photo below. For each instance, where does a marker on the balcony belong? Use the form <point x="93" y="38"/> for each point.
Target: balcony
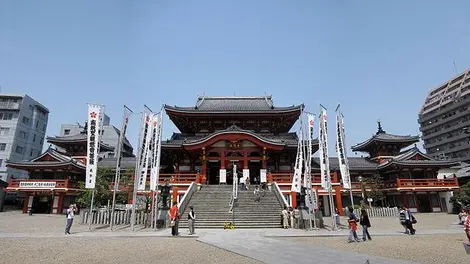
<point x="40" y="184"/>
<point x="9" y="106"/>
<point x="172" y="178"/>
<point x="286" y="178"/>
<point x="415" y="184"/>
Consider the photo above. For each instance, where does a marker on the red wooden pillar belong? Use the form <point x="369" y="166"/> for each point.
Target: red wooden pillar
<point x="245" y="160"/>
<point x="27" y="196"/>
<point x="222" y="160"/>
<point x="339" y="202"/>
<point x="204" y="166"/>
<point x="60" y="205"/>
<point x="198" y="178"/>
<point x="270" y="177"/>
<point x="293" y="196"/>
<point x="175" y="195"/>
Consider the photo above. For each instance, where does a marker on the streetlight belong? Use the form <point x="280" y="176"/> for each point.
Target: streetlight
<point x="361" y="179"/>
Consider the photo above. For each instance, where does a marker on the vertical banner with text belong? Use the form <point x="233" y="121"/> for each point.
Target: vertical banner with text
<point x="93" y="139"/>
<point x="144" y="150"/>
<point x="122" y="136"/>
<point x="341" y="150"/>
<point x="323" y="150"/>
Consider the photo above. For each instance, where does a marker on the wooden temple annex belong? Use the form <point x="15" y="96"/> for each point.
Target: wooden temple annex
<point x="255" y="135"/>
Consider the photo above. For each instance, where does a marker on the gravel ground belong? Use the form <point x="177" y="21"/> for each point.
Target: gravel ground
<point x="435" y="249"/>
<point x="114" y="250"/>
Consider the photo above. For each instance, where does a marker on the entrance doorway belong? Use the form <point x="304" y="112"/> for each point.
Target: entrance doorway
<point x="424" y="206"/>
<point x="213" y="170"/>
<point x="42" y="204"/>
<point x="255" y="166"/>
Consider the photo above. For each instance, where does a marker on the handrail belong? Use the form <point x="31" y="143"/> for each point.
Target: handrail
<point x="280" y="197"/>
<point x="186" y="198"/>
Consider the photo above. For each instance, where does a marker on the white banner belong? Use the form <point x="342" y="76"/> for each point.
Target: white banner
<point x="323" y="150"/>
<point x="154" y="147"/>
<point x="314" y="200"/>
<point x="159" y="149"/>
<point x="299" y="160"/>
<point x="311" y="198"/>
<point x="223" y="176"/>
<point x="122" y="136"/>
<point x="93" y="139"/>
<point x="341" y="150"/>
<point x="144" y="153"/>
<point x="263" y="177"/>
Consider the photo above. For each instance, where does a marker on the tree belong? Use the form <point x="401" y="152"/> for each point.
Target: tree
<point x="461" y="197"/>
<point x="373" y="188"/>
<point x="102" y="189"/>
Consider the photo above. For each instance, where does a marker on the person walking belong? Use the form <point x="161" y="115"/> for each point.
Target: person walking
<point x="285" y="218"/>
<point x="352" y="226"/>
<point x="70" y="215"/>
<point x="242" y="183"/>
<point x="191" y="218"/>
<point x="467" y="223"/>
<point x="365" y="223"/>
<point x="409" y="219"/>
<point x="174" y="214"/>
<point x="257" y="194"/>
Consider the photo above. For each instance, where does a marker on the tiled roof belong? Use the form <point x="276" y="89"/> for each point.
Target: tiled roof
<point x="180" y="139"/>
<point x="387" y="138"/>
<point x="60" y="160"/>
<point x="355" y="163"/>
<point x="234" y="104"/>
<point x="404" y="159"/>
<point x="75" y="139"/>
<point x="110" y="163"/>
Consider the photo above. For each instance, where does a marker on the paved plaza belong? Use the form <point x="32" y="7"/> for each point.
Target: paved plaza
<point x="438" y="240"/>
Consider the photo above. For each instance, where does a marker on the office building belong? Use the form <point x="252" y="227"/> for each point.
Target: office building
<point x="445" y="118"/>
<point x="23" y="124"/>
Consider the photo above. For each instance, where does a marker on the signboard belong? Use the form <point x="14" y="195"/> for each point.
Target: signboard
<point x="263" y="175"/>
<point x="37" y="185"/>
<point x="223" y="176"/>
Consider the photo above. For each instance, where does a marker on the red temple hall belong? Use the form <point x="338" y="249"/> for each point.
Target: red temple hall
<point x="218" y="133"/>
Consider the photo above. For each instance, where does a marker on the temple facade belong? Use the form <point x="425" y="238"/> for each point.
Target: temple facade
<point x="252" y="134"/>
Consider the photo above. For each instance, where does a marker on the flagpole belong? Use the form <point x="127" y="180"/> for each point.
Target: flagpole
<point x="136" y="172"/>
<point x="117" y="175"/>
<point x="90" y="215"/>
<point x="157" y="175"/>
<point x="343" y="139"/>
<point x="308" y="170"/>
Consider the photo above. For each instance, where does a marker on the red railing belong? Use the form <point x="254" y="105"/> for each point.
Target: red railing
<point x="417" y="183"/>
<point x="59" y="184"/>
<point x="286" y="177"/>
<point x="172" y="178"/>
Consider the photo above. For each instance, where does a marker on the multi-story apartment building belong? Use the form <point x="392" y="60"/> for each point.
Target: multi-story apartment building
<point x="23" y="124"/>
<point x="109" y="136"/>
<point x="444" y="119"/>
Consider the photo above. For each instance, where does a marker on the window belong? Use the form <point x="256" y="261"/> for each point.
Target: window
<point x="37" y="124"/>
<point x="67" y="132"/>
<point x="34" y="137"/>
<point x="4" y="131"/>
<point x="6" y="116"/>
<point x="44" y="127"/>
<point x="3" y="146"/>
<point x="19" y="150"/>
<point x="23" y="135"/>
<point x="31" y="153"/>
<point x="1" y="163"/>
<point x="42" y="140"/>
<point x="25" y="120"/>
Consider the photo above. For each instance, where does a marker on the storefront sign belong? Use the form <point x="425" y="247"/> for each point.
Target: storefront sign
<point x="38" y="185"/>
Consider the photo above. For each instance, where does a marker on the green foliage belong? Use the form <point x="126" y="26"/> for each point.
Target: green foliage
<point x="373" y="187"/>
<point x="102" y="190"/>
<point x="461" y="198"/>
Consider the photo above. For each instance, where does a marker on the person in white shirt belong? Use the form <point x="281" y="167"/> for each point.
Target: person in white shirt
<point x="191" y="218"/>
<point x="70" y="215"/>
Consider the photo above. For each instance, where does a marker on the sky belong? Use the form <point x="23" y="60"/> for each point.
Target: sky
<point x="378" y="59"/>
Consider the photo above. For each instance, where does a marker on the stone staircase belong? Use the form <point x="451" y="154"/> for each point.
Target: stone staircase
<point x="211" y="205"/>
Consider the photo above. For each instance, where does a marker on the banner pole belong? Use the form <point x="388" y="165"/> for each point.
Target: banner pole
<point x="136" y="174"/>
<point x="90" y="214"/>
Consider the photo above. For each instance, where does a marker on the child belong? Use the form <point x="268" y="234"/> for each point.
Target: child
<point x="352" y="226"/>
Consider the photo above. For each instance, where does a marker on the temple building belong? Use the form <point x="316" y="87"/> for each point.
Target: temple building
<point x="55" y="175"/>
<point x="218" y="133"/>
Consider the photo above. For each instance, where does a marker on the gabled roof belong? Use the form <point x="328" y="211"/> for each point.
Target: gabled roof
<point x="51" y="158"/>
<point x="382" y="137"/>
<point x="239" y="104"/>
<point x="355" y="163"/>
<point x="414" y="157"/>
<point x="80" y="138"/>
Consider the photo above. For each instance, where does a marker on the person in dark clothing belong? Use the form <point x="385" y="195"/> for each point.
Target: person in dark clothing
<point x="406" y="219"/>
<point x="365" y="223"/>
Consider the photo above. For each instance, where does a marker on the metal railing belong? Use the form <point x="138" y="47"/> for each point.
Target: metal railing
<point x="280" y="197"/>
<point x="186" y="198"/>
